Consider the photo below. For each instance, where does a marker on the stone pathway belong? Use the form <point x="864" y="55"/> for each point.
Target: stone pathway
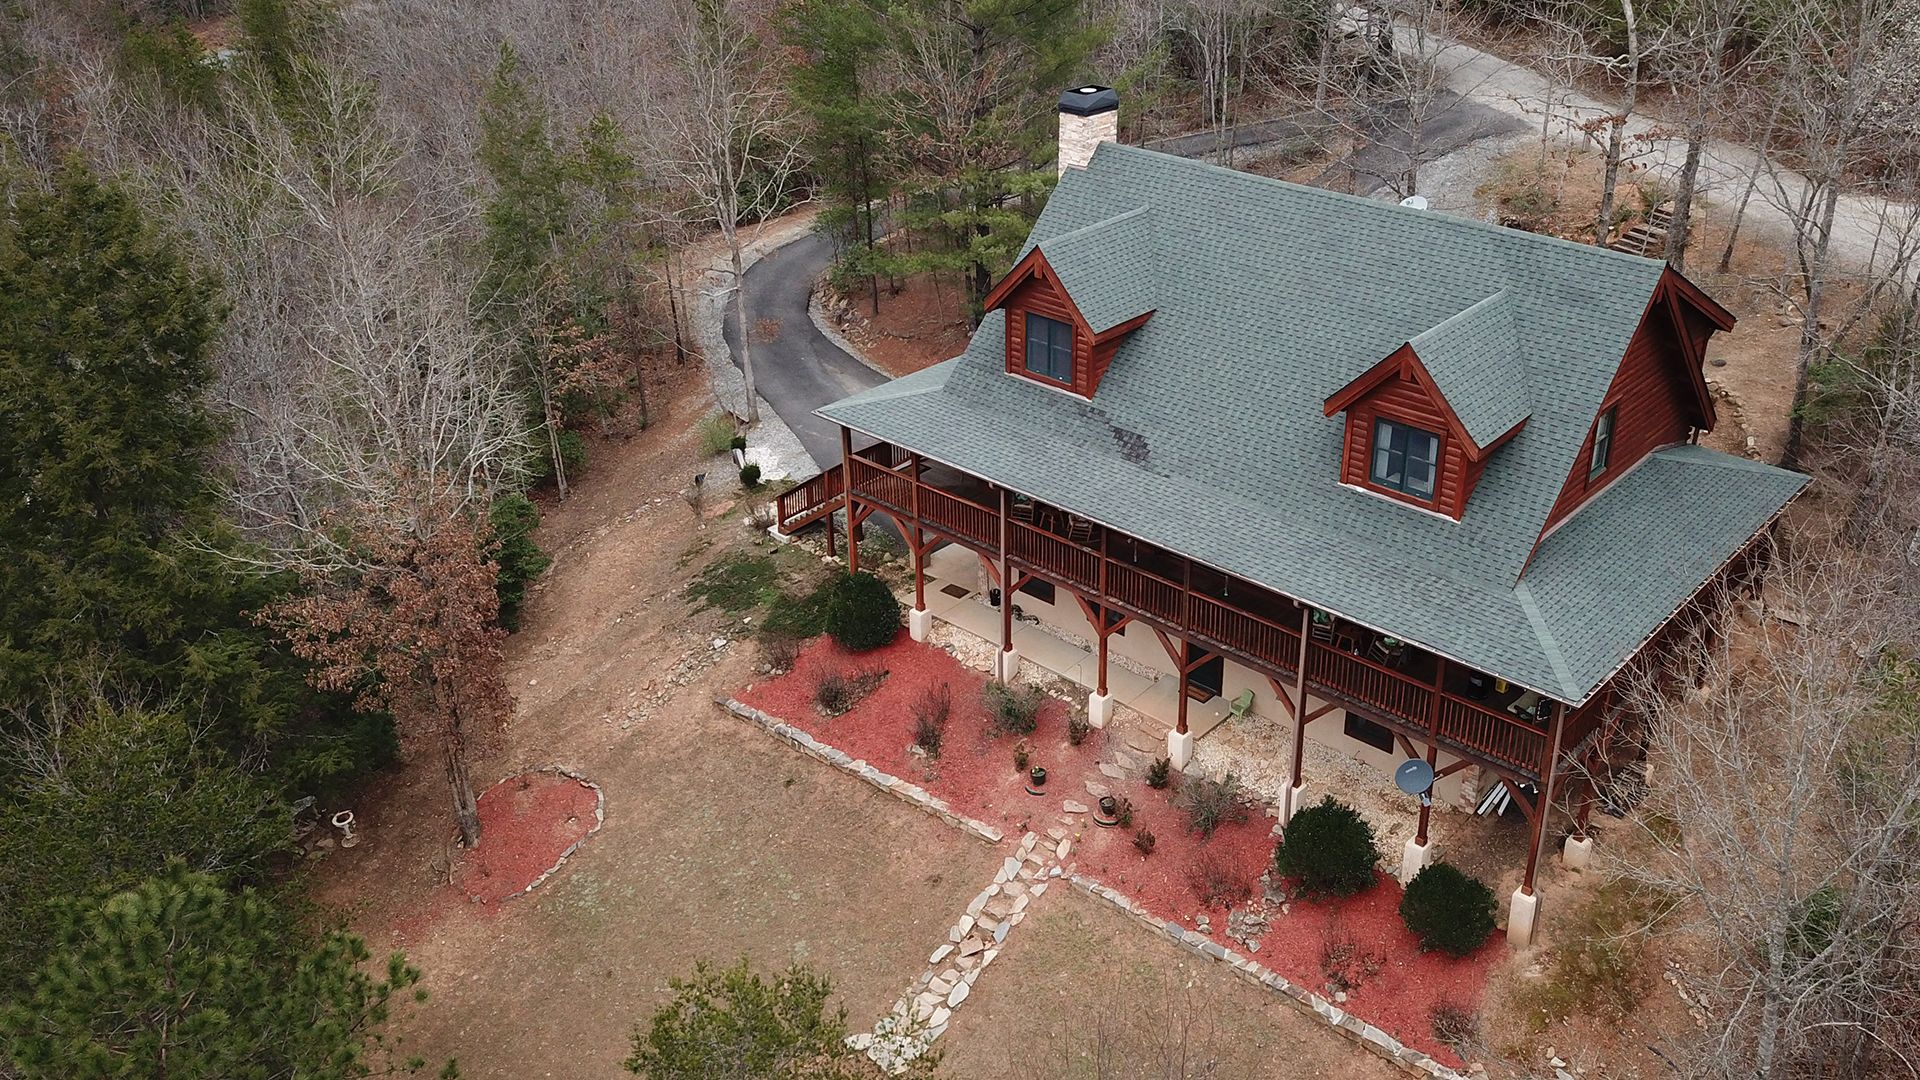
<point x="924" y="1011"/>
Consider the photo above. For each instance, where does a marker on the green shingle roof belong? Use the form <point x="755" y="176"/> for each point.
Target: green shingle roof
<point x="1207" y="435"/>
<point x="1107" y="267"/>
<point x="1474" y="358"/>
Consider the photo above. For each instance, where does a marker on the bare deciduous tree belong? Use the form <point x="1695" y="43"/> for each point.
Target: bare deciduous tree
<point x="728" y="142"/>
<point x="1783" y="823"/>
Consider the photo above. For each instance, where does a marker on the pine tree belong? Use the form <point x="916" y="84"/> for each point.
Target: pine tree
<point x="982" y="80"/>
<point x="107" y="516"/>
<point x="104" y="437"/>
<point x="179" y="978"/>
<point x="836" y="90"/>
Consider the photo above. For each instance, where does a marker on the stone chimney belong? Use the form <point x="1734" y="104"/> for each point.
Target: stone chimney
<point x="1089" y="116"/>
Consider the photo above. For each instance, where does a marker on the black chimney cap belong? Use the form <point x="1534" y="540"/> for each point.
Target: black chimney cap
<point x="1089" y="100"/>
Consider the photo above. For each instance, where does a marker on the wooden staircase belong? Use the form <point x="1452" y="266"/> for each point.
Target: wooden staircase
<point x="1647" y="238"/>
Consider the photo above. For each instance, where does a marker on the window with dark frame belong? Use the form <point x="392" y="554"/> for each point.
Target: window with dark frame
<point x="1049" y="348"/>
<point x="1038" y="589"/>
<point x="1602" y="444"/>
<point x="1405" y="459"/>
<point x="1361" y="729"/>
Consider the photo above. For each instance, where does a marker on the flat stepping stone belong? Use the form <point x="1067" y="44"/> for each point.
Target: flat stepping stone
<point x="1072" y="807"/>
<point x="1112" y="771"/>
<point x="958" y="994"/>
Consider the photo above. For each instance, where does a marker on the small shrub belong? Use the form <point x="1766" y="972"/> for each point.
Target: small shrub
<point x="717" y="434"/>
<point x="1160" y="774"/>
<point x="836" y="693"/>
<point x="1211" y="803"/>
<point x="1329" y="849"/>
<point x="738" y="442"/>
<point x="1123" y="812"/>
<point x="749" y="476"/>
<point x="778" y="652"/>
<point x="1078" y="728"/>
<point x="1022" y="753"/>
<point x="833" y="694"/>
<point x="1448" y="909"/>
<point x="1217" y="883"/>
<point x="573" y="451"/>
<point x="1013" y="710"/>
<point x="862" y="613"/>
<point x="510" y="522"/>
<point x="931" y="710"/>
<point x="1144" y="840"/>
<point x="1453" y="1026"/>
<point x="1343" y="963"/>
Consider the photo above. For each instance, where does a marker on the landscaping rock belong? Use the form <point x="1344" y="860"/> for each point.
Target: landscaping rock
<point x="1072" y="807"/>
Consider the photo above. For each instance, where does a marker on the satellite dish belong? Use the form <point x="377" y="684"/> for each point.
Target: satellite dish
<point x="1414" y="776"/>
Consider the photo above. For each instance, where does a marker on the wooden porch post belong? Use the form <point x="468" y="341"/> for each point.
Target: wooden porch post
<point x="1433" y="734"/>
<point x="917" y="542"/>
<point x="1300" y="698"/>
<point x="1101" y="630"/>
<point x="1547" y="774"/>
<point x="846" y="482"/>
<point x="1007" y="584"/>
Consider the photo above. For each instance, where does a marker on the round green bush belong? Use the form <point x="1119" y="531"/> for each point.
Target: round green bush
<point x="862" y="613"/>
<point x="1448" y="909"/>
<point x="1327" y="849"/>
<point x="749" y="475"/>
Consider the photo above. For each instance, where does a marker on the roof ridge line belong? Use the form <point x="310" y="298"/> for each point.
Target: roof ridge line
<point x="1549" y="648"/>
<point x="1484" y="226"/>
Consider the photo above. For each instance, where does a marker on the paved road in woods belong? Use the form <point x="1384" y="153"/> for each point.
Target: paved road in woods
<point x="795" y="368"/>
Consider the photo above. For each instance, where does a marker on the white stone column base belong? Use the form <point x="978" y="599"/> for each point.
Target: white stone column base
<point x="1099" y="709"/>
<point x="1578" y="853"/>
<point x="1520" y="912"/>
<point x="1007" y="667"/>
<point x="919" y="623"/>
<point x="1292" y="800"/>
<point x="774" y="531"/>
<point x="1414" y="858"/>
<point x="1179" y="748"/>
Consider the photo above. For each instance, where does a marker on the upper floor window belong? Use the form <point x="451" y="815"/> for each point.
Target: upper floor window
<point x="1405" y="459"/>
<point x="1049" y="348"/>
<point x="1602" y="444"/>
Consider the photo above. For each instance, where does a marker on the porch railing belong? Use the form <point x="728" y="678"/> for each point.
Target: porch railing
<point x="809" y="501"/>
<point x="1390" y="695"/>
<point x="1473" y="726"/>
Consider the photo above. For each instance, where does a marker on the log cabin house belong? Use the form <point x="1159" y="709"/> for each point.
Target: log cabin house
<point x="1426" y="485"/>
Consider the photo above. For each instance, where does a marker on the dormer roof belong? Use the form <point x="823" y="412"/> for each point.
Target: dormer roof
<point x="1106" y="269"/>
<point x="1471" y="365"/>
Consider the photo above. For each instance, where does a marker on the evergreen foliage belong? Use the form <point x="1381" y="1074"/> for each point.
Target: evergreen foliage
<point x="731" y="1024"/>
<point x="862" y="613"/>
<point x="102" y="797"/>
<point x="1447" y="909"/>
<point x="1328" y="849"/>
<point x="106" y="511"/>
<point x="177" y="977"/>
<point x="512" y="519"/>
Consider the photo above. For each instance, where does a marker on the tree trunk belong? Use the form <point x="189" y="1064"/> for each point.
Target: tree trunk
<point x="746" y="327"/>
<point x="1753" y="181"/>
<point x="466" y="810"/>
<point x="1866" y="501"/>
<point x="1617" y="136"/>
<point x="1810" y="329"/>
<point x="1678" y="232"/>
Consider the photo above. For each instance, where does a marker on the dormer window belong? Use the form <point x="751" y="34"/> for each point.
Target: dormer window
<point x="1049" y="348"/>
<point x="1405" y="459"/>
<point x="1602" y="444"/>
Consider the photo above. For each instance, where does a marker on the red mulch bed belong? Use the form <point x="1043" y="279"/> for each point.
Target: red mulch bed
<point x="975" y="774"/>
<point x="526" y="823"/>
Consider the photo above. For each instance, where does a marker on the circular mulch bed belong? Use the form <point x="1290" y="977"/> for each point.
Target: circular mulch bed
<point x="529" y="824"/>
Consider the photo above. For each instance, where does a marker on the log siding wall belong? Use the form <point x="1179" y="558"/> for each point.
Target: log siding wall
<point x="1653" y="403"/>
<point x="1040" y="296"/>
<point x="1403" y="400"/>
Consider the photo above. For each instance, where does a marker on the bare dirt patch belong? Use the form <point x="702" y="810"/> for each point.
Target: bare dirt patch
<point x="922" y="321"/>
<point x="1081" y="985"/>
